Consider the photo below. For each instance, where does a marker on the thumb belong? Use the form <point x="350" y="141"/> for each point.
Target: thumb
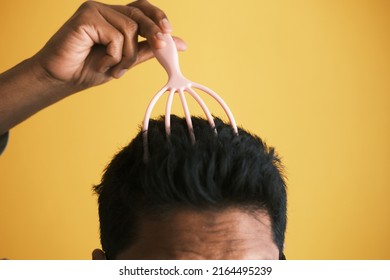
<point x="145" y="51"/>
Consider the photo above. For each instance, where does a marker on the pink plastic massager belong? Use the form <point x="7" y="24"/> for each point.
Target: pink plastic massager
<point x="168" y="58"/>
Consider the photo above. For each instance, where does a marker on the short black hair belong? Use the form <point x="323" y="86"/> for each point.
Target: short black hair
<point x="218" y="171"/>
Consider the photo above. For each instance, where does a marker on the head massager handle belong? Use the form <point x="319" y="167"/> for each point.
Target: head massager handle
<point x="169" y="59"/>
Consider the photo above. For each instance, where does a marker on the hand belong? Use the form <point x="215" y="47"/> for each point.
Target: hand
<point x="100" y="42"/>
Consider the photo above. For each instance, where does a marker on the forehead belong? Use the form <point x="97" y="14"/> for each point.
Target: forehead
<point x="188" y="234"/>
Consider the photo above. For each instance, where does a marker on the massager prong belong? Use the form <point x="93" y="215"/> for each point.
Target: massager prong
<point x="151" y="106"/>
<point x="203" y="106"/>
<point x="187" y="115"/>
<point x="221" y="102"/>
<point x="168" y="112"/>
<point x="145" y="124"/>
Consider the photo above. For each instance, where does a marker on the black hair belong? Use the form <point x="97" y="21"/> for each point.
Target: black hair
<point x="217" y="171"/>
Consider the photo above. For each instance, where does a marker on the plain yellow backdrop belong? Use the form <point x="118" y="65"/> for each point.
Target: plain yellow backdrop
<point x="312" y="78"/>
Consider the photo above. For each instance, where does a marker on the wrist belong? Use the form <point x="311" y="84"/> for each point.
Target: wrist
<point x="54" y="88"/>
<point x="26" y="89"/>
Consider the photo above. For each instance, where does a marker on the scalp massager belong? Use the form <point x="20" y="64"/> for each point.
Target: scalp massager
<point x="177" y="83"/>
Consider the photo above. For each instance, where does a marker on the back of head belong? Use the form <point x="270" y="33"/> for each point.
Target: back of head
<point x="218" y="171"/>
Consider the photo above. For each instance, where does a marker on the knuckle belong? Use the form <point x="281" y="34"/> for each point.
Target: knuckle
<point x="130" y="60"/>
<point x="87" y="10"/>
<point x="88" y="5"/>
<point x="116" y="59"/>
<point x="159" y="15"/>
<point x="126" y="63"/>
<point x="118" y="38"/>
<point x="130" y="25"/>
<point x="134" y="12"/>
<point x="115" y="49"/>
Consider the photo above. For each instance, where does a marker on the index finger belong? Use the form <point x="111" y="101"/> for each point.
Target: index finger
<point x="146" y="27"/>
<point x="154" y="13"/>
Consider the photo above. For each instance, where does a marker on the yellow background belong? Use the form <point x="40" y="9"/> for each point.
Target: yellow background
<point x="310" y="77"/>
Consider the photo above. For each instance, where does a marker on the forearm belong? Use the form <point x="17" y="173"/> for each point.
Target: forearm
<point x="98" y="43"/>
<point x="26" y="89"/>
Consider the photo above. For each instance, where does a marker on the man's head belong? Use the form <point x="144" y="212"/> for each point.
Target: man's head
<point x="223" y="197"/>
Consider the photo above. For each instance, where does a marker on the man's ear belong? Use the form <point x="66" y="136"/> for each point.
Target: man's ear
<point x="98" y="254"/>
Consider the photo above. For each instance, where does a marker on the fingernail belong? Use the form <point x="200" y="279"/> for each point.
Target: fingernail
<point x="161" y="40"/>
<point x="160" y="36"/>
<point x="120" y="73"/>
<point x="166" y="25"/>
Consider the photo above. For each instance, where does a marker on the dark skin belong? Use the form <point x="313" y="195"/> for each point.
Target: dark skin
<point x="98" y="43"/>
<point x="206" y="235"/>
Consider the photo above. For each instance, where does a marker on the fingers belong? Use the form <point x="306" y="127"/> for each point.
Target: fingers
<point x="101" y="32"/>
<point x="147" y="28"/>
<point x="127" y="20"/>
<point x="117" y="28"/>
<point x="128" y="28"/>
<point x="145" y="52"/>
<point x="151" y="23"/>
<point x="154" y="13"/>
